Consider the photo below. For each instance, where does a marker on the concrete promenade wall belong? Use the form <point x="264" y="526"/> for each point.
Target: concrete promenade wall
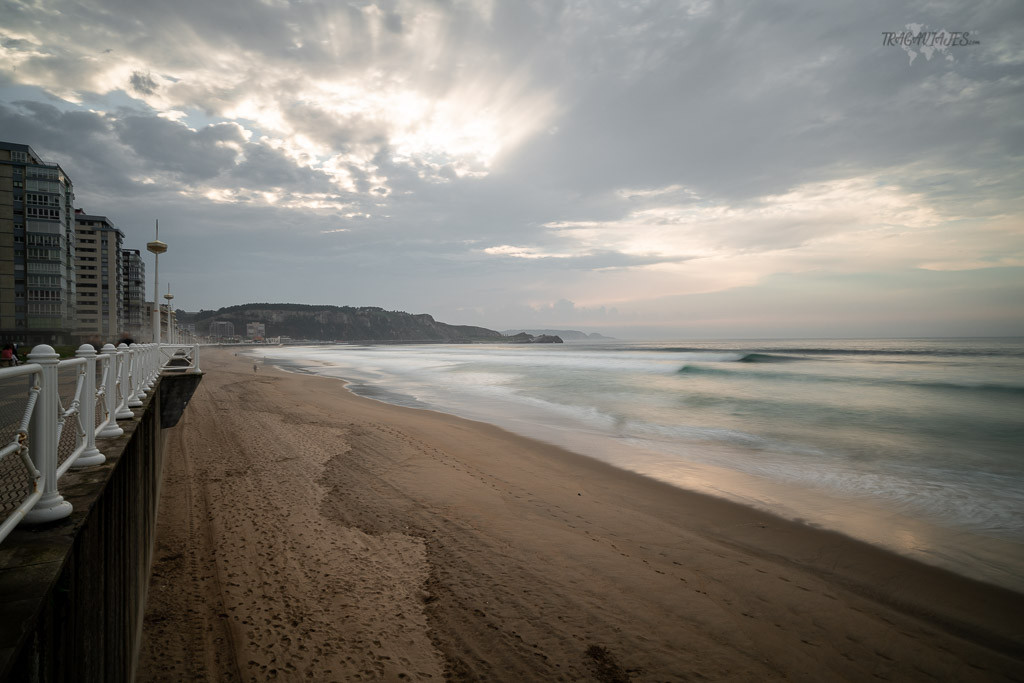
<point x="72" y="593"/>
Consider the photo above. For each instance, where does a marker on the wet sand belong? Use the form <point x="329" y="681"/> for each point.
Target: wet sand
<point x="307" y="534"/>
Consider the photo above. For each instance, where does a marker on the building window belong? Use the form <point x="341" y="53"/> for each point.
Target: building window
<point x="43" y="280"/>
<point x="44" y="253"/>
<point x="45" y="308"/>
<point x="37" y="212"/>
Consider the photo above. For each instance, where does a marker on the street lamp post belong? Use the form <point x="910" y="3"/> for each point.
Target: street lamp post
<point x="170" y="328"/>
<point x="156" y="247"/>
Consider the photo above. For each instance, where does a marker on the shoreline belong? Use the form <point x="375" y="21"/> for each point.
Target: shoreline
<point x="539" y="564"/>
<point x="987" y="560"/>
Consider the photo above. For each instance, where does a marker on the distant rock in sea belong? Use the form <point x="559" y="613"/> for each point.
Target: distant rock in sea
<point x="566" y="335"/>
<point x="526" y="338"/>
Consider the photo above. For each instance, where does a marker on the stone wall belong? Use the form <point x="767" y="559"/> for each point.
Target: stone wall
<point x="72" y="592"/>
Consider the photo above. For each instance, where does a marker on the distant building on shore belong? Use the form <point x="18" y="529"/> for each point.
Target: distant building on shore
<point x="255" y="330"/>
<point x="100" y="278"/>
<point x="147" y="323"/>
<point x="168" y="324"/>
<point x="221" y="328"/>
<point x="37" y="249"/>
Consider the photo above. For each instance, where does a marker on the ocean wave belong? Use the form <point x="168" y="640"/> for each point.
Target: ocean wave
<point x="875" y="350"/>
<point x="736" y="357"/>
<point x="1010" y="389"/>
<point x="767" y="358"/>
<point x="721" y="366"/>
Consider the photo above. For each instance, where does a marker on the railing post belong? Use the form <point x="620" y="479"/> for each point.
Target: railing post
<point x="110" y="393"/>
<point x="136" y="376"/>
<point x="125" y="382"/>
<point x="195" y="358"/>
<point x="141" y="380"/>
<point x="156" y="361"/>
<point x="152" y="364"/>
<point x="87" y="410"/>
<point x="43" y="439"/>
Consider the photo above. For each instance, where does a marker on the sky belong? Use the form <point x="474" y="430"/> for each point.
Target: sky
<point x="645" y="169"/>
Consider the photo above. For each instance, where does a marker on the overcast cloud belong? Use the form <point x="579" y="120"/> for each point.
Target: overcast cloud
<point x="644" y="169"/>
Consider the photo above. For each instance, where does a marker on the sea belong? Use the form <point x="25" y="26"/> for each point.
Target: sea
<point x="914" y="445"/>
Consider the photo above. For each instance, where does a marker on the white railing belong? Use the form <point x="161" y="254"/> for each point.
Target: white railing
<point x="180" y="357"/>
<point x="51" y="425"/>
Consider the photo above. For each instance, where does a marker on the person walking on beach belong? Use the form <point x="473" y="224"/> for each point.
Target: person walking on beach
<point x="254" y="367"/>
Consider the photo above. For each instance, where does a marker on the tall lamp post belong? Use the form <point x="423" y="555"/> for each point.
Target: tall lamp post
<point x="156" y="247"/>
<point x="170" y="328"/>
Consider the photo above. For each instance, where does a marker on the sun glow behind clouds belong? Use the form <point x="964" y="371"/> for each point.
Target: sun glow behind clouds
<point x="365" y="85"/>
<point x="465" y="129"/>
<point x="343" y="125"/>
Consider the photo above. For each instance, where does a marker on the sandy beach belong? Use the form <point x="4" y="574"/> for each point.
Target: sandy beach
<point x="307" y="534"/>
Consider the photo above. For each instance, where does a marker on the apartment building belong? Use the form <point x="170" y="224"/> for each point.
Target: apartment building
<point x="255" y="330"/>
<point x="37" y="249"/>
<point x="222" y="328"/>
<point x="135" y="312"/>
<point x="100" y="274"/>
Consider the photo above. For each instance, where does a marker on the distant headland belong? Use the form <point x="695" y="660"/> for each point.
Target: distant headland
<point x="368" y="324"/>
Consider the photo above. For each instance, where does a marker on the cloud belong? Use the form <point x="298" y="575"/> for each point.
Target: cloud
<point x="143" y="83"/>
<point x="170" y="146"/>
<point x="816" y="213"/>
